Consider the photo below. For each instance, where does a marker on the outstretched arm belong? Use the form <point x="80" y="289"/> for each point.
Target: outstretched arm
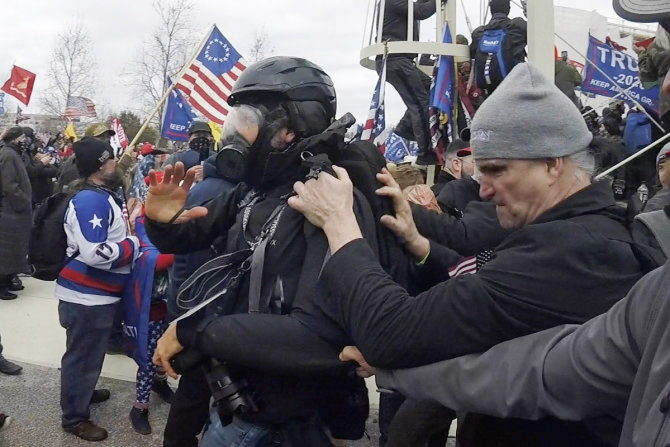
<point x="570" y="372"/>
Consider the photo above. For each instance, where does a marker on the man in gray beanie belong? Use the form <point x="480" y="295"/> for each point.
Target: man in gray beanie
<point x="531" y="145"/>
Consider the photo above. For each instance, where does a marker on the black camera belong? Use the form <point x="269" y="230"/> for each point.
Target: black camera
<point x="231" y="395"/>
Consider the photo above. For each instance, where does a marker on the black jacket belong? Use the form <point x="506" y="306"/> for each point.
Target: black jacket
<point x="41" y="177"/>
<point x="443" y="178"/>
<point x="573" y="263"/>
<point x="395" y="19"/>
<point x="456" y="195"/>
<point x="560" y="269"/>
<point x="295" y="255"/>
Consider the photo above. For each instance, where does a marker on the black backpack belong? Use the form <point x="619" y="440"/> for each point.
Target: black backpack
<point x="48" y="241"/>
<point x="362" y="161"/>
<point x="494" y="58"/>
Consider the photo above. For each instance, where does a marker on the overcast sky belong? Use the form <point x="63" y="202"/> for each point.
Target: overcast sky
<point x="330" y="33"/>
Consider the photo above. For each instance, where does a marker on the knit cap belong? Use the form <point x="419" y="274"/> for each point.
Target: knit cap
<point x="90" y="154"/>
<point x="528" y="117"/>
<point x="663" y="155"/>
<point x="12" y="133"/>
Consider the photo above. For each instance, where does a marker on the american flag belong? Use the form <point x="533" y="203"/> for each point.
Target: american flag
<point x="210" y="78"/>
<point x="20" y="116"/>
<point x="376" y="123"/>
<point x="78" y="106"/>
<point x="466" y="266"/>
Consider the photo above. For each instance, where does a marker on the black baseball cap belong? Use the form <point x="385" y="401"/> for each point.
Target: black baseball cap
<point x="199" y="126"/>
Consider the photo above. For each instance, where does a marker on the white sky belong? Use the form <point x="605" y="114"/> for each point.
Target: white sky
<point x="330" y="33"/>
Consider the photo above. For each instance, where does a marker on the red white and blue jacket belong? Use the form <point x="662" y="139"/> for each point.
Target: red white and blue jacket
<point x="95" y="226"/>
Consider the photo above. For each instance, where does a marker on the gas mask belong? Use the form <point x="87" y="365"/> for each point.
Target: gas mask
<point x="242" y="133"/>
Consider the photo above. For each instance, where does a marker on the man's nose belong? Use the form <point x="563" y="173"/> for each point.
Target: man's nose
<point x="485" y="190"/>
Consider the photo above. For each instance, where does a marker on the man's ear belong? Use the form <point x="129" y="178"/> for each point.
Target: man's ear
<point x="555" y="166"/>
<point x="288" y="136"/>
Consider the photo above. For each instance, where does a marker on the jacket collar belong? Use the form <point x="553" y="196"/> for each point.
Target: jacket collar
<point x="597" y="198"/>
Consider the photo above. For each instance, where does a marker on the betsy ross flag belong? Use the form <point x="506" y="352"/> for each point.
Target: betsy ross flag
<point x="78" y="106"/>
<point x="209" y="79"/>
<point x="376" y="123"/>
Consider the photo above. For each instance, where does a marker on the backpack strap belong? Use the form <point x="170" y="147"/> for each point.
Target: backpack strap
<point x="659" y="224"/>
<point x="259" y="302"/>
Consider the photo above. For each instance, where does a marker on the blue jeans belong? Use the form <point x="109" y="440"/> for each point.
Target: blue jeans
<point x="87" y="329"/>
<point x="238" y="433"/>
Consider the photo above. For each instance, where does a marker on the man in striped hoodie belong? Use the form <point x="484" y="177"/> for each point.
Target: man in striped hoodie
<point x="100" y="256"/>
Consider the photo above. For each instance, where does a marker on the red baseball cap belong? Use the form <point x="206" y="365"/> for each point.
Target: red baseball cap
<point x="464" y="152"/>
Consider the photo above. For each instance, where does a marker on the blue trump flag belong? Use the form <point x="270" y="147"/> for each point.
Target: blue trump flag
<point x="620" y="68"/>
<point x="177" y="117"/>
<point x="137" y="296"/>
<point x="397" y="148"/>
<point x="2" y="103"/>
<point x="444" y="84"/>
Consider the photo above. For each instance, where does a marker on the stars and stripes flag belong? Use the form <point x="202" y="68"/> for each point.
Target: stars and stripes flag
<point x="376" y="122"/>
<point x="466" y="266"/>
<point x="208" y="81"/>
<point x="78" y="106"/>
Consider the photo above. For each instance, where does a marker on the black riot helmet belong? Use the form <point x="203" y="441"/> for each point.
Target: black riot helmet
<point x="305" y="89"/>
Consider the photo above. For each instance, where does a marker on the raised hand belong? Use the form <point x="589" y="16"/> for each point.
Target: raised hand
<point x="166" y="199"/>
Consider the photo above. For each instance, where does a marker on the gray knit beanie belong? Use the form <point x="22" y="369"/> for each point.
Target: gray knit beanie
<point x="662" y="155"/>
<point x="528" y="117"/>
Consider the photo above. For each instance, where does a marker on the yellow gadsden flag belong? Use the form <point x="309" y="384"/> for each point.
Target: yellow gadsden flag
<point x="216" y="131"/>
<point x="70" y="133"/>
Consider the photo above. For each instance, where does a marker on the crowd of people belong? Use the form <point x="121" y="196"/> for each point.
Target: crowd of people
<point x="275" y="270"/>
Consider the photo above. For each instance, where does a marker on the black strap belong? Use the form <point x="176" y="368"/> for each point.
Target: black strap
<point x="256" y="305"/>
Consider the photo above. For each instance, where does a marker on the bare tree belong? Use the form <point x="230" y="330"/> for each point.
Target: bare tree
<point x="72" y="69"/>
<point x="261" y="47"/>
<point x="165" y="53"/>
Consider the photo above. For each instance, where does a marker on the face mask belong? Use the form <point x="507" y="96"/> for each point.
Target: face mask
<point x="242" y="134"/>
<point x="202" y="146"/>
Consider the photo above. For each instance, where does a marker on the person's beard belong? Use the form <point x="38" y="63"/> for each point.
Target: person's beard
<point x="113" y="180"/>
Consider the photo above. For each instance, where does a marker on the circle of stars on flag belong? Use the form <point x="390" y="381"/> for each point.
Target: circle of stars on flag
<point x="223" y="45"/>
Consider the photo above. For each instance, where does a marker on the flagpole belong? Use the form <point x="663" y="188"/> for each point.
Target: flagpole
<point x="201" y="45"/>
<point x="632" y="157"/>
<point x="620" y="89"/>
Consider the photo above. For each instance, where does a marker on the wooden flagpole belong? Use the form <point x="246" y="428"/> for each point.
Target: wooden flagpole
<point x="169" y="89"/>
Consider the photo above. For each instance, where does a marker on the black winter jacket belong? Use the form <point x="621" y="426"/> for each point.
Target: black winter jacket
<point x="563" y="268"/>
<point x="295" y="254"/>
